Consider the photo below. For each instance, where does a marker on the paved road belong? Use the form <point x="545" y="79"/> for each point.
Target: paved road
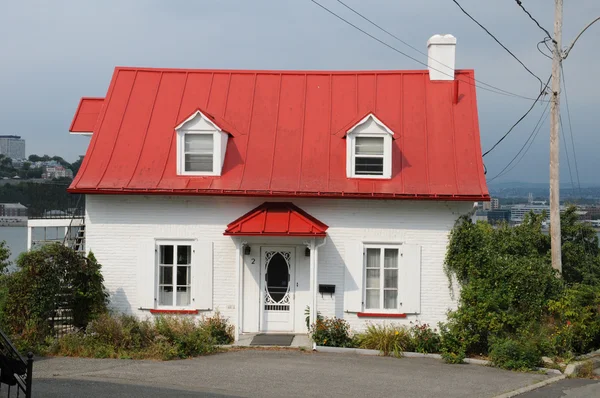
<point x="253" y="373"/>
<point x="571" y="388"/>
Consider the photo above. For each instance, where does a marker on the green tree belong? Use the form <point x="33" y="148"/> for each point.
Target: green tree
<point x="4" y="257"/>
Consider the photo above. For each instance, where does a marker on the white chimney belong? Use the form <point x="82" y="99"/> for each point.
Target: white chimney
<point x="441" y="51"/>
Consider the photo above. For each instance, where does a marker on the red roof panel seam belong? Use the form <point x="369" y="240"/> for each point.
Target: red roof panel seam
<point x="302" y="129"/>
<point x="173" y="133"/>
<point x="99" y="123"/>
<point x="146" y="132"/>
<point x="426" y="135"/>
<point x="210" y="86"/>
<point x="249" y="130"/>
<point x="453" y="125"/>
<point x="227" y="96"/>
<point x="329" y="137"/>
<point x="112" y="151"/>
<point x="476" y="136"/>
<point x="276" y="129"/>
<point x="401" y="133"/>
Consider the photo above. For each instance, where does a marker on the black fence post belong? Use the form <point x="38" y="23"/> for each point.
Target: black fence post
<point x="29" y="374"/>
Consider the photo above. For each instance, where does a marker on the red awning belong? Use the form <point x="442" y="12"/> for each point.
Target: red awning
<point x="277" y="219"/>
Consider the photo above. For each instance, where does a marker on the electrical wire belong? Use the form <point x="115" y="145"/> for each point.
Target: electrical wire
<point x="495" y="90"/>
<point x="542" y="52"/>
<point x="500" y="43"/>
<point x="525" y="147"/>
<point x="411" y="46"/>
<point x="518" y="121"/>
<point x="570" y="127"/>
<point x="520" y="3"/>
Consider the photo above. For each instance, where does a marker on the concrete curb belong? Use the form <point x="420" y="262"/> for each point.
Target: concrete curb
<point x="340" y="350"/>
<point x="532" y="387"/>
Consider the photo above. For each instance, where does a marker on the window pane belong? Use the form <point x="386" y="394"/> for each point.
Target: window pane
<point x="372" y="278"/>
<point x="390" y="299"/>
<point x="368" y="166"/>
<point x="372" y="299"/>
<point x="165" y="295"/>
<point x="184" y="254"/>
<point x="373" y="258"/>
<point x="390" y="278"/>
<point x="369" y="145"/>
<point x="199" y="143"/>
<point x="166" y="254"/>
<point x="166" y="276"/>
<point x="183" y="276"/>
<point x="390" y="259"/>
<point x="183" y="296"/>
<point x="199" y="162"/>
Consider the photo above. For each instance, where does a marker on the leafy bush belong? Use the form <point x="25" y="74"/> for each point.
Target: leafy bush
<point x="389" y="339"/>
<point x="576" y="319"/>
<point x="452" y="347"/>
<point x="332" y="332"/>
<point x="424" y="339"/>
<point x="514" y="354"/>
<point x="220" y="330"/>
<point x="44" y="278"/>
<point x="124" y="336"/>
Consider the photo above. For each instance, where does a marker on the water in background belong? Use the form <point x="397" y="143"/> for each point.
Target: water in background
<point x="16" y="238"/>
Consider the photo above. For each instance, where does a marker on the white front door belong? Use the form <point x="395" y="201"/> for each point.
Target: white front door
<point x="277" y="288"/>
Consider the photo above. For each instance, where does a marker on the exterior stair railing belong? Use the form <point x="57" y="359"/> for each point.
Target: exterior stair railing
<point x="16" y="372"/>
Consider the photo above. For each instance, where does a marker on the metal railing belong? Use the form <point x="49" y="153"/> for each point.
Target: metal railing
<point x="16" y="372"/>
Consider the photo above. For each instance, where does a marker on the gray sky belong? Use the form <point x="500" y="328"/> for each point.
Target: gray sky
<point x="54" y="52"/>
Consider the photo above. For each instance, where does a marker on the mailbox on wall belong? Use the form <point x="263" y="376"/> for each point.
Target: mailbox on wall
<point x="327" y="289"/>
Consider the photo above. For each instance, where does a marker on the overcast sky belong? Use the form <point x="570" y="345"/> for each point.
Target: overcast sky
<point x="53" y="52"/>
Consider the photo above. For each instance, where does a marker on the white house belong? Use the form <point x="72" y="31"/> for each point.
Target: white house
<point x="263" y="193"/>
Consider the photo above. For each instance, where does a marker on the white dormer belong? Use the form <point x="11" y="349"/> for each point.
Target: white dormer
<point x="369" y="149"/>
<point x="201" y="146"/>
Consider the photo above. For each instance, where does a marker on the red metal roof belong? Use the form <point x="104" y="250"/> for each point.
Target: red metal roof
<point x="277" y="219"/>
<point x="86" y="115"/>
<point x="286" y="139"/>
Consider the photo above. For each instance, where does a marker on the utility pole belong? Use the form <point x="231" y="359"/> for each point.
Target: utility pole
<point x="557" y="58"/>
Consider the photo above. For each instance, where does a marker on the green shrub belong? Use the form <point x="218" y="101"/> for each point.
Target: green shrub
<point x="424" y="339"/>
<point x="452" y="346"/>
<point x="332" y="332"/>
<point x="389" y="339"/>
<point x="221" y="331"/>
<point x="576" y="319"/>
<point x="509" y="353"/>
<point x="188" y="337"/>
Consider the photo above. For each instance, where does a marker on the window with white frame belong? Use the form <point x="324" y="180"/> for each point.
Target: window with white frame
<point x="369" y="149"/>
<point x="368" y="156"/>
<point x="381" y="278"/>
<point x="174" y="275"/>
<point x="198" y="152"/>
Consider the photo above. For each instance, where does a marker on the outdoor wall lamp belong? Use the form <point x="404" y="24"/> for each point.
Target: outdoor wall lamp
<point x="247" y="250"/>
<point x="307" y="252"/>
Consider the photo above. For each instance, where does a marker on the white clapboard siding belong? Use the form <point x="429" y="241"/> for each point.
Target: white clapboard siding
<point x="353" y="286"/>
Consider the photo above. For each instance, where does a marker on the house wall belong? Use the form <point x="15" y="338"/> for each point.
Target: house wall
<point x="115" y="226"/>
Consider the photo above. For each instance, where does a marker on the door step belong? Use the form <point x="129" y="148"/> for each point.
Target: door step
<point x="281" y="340"/>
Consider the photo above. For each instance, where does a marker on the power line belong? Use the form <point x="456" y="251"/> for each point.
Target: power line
<point x="500" y="91"/>
<point x="570" y="128"/>
<point x="498" y="41"/>
<point x="411" y="46"/>
<point x="525" y="146"/>
<point x="540" y="50"/>
<point x="562" y="130"/>
<point x="517" y="122"/>
<point x="520" y="3"/>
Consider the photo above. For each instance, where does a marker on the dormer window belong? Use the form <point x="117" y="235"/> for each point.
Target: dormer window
<point x="200" y="146"/>
<point x="369" y="149"/>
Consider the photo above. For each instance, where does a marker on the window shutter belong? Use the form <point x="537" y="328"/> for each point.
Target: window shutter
<point x="202" y="276"/>
<point x="146" y="274"/>
<point x="410" y="279"/>
<point x="353" y="286"/>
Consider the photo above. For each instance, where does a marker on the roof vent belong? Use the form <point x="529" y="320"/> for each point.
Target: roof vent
<point x="441" y="52"/>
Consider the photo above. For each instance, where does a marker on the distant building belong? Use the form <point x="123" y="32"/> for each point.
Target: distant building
<point x="493" y="204"/>
<point x="12" y="146"/>
<point x="518" y="212"/>
<point x="12" y="210"/>
<point x="497" y="216"/>
<point x="52" y="172"/>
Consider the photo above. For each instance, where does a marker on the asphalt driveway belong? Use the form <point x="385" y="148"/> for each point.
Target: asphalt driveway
<point x="253" y="373"/>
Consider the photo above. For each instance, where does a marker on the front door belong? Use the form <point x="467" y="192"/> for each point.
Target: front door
<point x="277" y="289"/>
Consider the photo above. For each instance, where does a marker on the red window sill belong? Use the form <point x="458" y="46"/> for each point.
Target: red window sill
<point x="189" y="312"/>
<point x="379" y="315"/>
